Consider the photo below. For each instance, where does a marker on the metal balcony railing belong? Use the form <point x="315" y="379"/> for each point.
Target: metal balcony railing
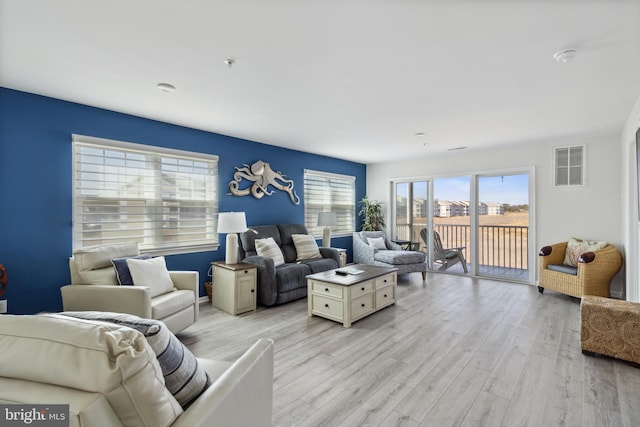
<point x="500" y="245"/>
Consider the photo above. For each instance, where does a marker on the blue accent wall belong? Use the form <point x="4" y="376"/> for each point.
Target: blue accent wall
<point x="36" y="188"/>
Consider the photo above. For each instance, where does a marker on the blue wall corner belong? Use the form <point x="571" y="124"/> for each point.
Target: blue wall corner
<point x="36" y="188"/>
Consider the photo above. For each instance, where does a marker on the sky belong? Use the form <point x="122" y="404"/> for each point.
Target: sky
<point x="510" y="189"/>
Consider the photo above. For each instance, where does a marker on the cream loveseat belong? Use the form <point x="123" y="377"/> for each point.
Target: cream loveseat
<point x="95" y="286"/>
<point x="109" y="375"/>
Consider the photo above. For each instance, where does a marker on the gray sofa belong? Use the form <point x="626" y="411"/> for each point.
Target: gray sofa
<point x="392" y="256"/>
<point x="286" y="282"/>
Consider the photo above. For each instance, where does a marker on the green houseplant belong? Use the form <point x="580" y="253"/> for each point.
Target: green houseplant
<point x="371" y="213"/>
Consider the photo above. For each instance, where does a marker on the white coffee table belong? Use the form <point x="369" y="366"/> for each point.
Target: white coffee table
<point x="347" y="298"/>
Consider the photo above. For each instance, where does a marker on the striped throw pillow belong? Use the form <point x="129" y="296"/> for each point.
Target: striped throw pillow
<point x="270" y="249"/>
<point x="306" y="247"/>
<point x="183" y="376"/>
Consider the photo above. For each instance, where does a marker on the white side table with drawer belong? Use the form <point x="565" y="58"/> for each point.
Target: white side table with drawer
<point x="234" y="287"/>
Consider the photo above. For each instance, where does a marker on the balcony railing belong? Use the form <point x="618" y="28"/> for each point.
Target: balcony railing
<point x="503" y="246"/>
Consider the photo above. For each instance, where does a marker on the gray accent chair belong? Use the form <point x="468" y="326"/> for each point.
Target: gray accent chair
<point x="286" y="282"/>
<point x="392" y="257"/>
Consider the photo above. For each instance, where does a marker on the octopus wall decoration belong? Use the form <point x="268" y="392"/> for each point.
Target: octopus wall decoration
<point x="261" y="174"/>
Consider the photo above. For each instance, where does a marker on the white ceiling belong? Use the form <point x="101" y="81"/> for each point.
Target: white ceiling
<point x="352" y="79"/>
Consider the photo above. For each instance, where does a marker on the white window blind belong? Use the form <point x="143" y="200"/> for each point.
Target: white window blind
<point x="569" y="166"/>
<point x="327" y="192"/>
<point x="166" y="200"/>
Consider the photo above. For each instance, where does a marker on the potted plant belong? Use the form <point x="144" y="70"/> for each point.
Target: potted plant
<point x="371" y="212"/>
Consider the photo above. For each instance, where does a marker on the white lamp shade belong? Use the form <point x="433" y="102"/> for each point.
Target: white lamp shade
<point x="232" y="222"/>
<point x="327" y="219"/>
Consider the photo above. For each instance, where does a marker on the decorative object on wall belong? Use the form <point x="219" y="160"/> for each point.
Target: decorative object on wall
<point x="371" y="213"/>
<point x="3" y="279"/>
<point x="232" y="223"/>
<point x="327" y="220"/>
<point x="261" y="174"/>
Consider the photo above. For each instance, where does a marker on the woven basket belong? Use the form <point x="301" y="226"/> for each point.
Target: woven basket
<point x="209" y="287"/>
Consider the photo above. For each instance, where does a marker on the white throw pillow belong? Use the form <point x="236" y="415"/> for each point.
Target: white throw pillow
<point x="151" y="273"/>
<point x="269" y="248"/>
<point x="306" y="246"/>
<point x="377" y="242"/>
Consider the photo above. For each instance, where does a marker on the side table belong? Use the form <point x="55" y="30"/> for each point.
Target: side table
<point x="234" y="287"/>
<point x="343" y="256"/>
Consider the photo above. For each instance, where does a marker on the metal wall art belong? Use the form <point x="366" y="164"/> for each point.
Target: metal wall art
<point x="261" y="174"/>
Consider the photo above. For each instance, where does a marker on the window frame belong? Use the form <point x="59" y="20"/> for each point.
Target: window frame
<point x="311" y="222"/>
<point x="161" y="203"/>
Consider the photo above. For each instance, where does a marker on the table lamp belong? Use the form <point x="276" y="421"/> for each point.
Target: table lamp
<point x="232" y="223"/>
<point x="326" y="220"/>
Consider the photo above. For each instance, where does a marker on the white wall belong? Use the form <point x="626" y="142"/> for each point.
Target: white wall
<point x="591" y="211"/>
<point x="631" y="225"/>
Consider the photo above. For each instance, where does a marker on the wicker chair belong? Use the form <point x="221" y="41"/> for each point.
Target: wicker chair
<point x="592" y="276"/>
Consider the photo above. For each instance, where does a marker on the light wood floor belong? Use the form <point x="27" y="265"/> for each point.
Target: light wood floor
<point x="455" y="351"/>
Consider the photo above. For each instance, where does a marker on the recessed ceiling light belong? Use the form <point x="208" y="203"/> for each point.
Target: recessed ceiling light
<point x="229" y="62"/>
<point x="565" y="55"/>
<point x="457" y="148"/>
<point x="166" y="87"/>
<point x="419" y="134"/>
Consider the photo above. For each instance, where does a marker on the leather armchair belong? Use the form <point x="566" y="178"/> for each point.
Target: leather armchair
<point x="94" y="287"/>
<point x="591" y="277"/>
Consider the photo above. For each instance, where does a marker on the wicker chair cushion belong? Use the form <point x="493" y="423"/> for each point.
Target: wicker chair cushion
<point x="567" y="269"/>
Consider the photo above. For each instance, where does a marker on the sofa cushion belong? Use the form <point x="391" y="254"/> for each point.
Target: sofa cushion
<point x="151" y="273"/>
<point x="399" y="257"/>
<point x="287" y="245"/>
<point x="248" y="238"/>
<point x="576" y="247"/>
<point x="322" y="264"/>
<point x="292" y="276"/>
<point x="93" y="264"/>
<point x="172" y="302"/>
<point x="183" y="376"/>
<point x="306" y="247"/>
<point x="122" y="269"/>
<point x="103" y="358"/>
<point x="84" y="407"/>
<point x="366" y="235"/>
<point x="268" y="248"/>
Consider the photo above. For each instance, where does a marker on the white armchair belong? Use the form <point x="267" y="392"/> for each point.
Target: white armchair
<point x="94" y="287"/>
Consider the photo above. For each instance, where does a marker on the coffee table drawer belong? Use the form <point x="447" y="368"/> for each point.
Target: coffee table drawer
<point x="386" y="280"/>
<point x="385" y="296"/>
<point x="361" y="289"/>
<point x="327" y="307"/>
<point x="326" y="289"/>
<point x="361" y="306"/>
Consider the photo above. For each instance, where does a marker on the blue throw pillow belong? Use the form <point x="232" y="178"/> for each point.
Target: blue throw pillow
<point x="122" y="269"/>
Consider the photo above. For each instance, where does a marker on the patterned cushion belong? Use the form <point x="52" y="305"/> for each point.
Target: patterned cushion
<point x="151" y="273"/>
<point x="306" y="247"/>
<point x="122" y="269"/>
<point x="576" y="247"/>
<point x="270" y="249"/>
<point x="183" y="376"/>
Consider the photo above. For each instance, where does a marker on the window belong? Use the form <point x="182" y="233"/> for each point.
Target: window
<point x="166" y="200"/>
<point x="327" y="192"/>
<point x="569" y="167"/>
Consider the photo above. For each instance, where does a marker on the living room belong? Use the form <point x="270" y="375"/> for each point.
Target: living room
<point x="37" y="124"/>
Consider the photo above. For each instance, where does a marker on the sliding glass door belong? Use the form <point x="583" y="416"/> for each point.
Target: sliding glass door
<point x="470" y="224"/>
<point x="411" y="213"/>
<point x="503" y="226"/>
